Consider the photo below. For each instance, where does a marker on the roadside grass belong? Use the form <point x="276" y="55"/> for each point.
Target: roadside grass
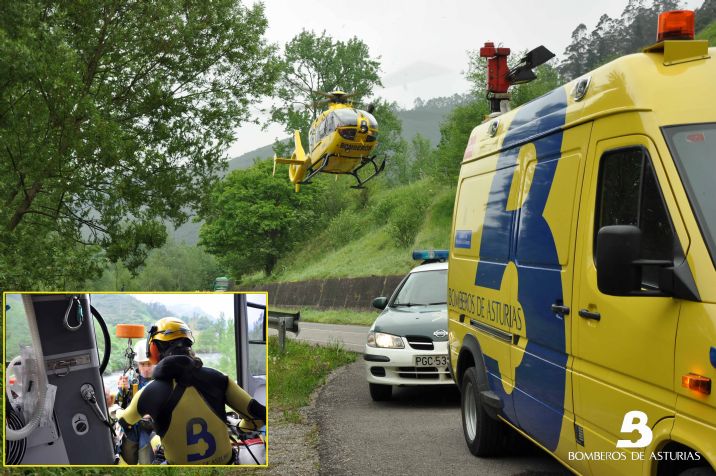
<point x="335" y="316"/>
<point x="294" y="374"/>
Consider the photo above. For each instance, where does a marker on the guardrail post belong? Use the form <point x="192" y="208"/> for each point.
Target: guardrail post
<point x="282" y="335"/>
<point x="283" y="322"/>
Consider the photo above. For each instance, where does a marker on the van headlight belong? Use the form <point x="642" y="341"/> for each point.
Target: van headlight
<point x="386" y="341"/>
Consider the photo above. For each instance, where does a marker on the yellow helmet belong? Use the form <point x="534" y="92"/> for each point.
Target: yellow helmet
<point x="166" y="329"/>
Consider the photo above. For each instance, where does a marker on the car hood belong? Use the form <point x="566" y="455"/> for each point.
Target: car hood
<point x="413" y="321"/>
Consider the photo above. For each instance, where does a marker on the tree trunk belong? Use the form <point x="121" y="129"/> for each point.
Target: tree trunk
<point x="24" y="206"/>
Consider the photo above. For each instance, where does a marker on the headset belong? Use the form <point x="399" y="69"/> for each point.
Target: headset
<point x="152" y="349"/>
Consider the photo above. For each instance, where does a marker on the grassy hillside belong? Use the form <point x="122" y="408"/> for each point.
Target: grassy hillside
<point x="708" y="33"/>
<point x="376" y="238"/>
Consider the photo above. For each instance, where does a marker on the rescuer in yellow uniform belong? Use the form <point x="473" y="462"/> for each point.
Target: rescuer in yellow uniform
<point x="187" y="400"/>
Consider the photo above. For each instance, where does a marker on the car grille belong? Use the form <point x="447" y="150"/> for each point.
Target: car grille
<point x="420" y="342"/>
<point x="421" y="373"/>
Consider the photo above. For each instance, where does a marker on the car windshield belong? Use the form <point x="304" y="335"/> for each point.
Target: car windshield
<point x="694" y="150"/>
<point x="423" y="288"/>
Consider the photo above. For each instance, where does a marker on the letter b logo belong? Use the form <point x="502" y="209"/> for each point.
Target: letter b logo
<point x="635" y="421"/>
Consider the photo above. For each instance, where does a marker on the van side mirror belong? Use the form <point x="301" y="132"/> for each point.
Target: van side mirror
<point x="380" y="302"/>
<point x="618" y="247"/>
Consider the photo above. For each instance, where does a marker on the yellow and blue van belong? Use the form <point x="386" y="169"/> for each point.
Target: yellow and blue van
<point x="582" y="269"/>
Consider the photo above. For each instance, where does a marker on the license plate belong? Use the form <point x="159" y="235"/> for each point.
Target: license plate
<point x="431" y="361"/>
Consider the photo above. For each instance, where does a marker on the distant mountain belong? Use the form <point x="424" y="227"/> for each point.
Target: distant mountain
<point x="247" y="160"/>
<point x="426" y="117"/>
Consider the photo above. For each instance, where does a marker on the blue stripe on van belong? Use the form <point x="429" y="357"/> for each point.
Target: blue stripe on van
<point x="495" y="381"/>
<point x="712" y="355"/>
<point x="539" y="394"/>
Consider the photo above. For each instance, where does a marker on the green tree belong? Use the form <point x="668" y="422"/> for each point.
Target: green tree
<point x="705" y="14"/>
<point x="421" y="155"/>
<point x="391" y="145"/>
<point x="454" y="134"/>
<point x="313" y="63"/>
<point x="255" y="218"/>
<point x="547" y="80"/>
<point x="412" y="161"/>
<point x="115" y="116"/>
<point x="576" y="55"/>
<point x="177" y="267"/>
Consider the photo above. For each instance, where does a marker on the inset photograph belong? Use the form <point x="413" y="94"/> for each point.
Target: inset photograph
<point x="135" y="379"/>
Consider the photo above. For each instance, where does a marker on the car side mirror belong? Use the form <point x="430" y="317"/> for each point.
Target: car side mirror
<point x="618" y="247"/>
<point x="380" y="302"/>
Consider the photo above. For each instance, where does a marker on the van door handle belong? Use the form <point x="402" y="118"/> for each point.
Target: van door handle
<point x="561" y="310"/>
<point x="589" y="315"/>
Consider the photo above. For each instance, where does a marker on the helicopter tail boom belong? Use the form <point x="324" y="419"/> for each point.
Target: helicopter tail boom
<point x="298" y="163"/>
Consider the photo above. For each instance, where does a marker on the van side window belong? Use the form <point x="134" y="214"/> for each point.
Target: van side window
<point x="628" y="194"/>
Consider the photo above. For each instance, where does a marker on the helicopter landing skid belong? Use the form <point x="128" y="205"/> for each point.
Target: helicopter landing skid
<point x="376" y="170"/>
<point x="368" y="160"/>
<point x="312" y="172"/>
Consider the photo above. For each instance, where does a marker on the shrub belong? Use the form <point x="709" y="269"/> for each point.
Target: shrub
<point x="405" y="223"/>
<point x="345" y="227"/>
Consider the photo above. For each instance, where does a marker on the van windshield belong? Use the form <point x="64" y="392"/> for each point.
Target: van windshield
<point x="423" y="288"/>
<point x="694" y="150"/>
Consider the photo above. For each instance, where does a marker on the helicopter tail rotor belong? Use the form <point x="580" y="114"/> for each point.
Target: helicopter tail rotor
<point x="298" y="163"/>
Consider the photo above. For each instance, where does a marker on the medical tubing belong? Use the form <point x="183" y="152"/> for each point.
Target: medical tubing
<point x="40" y="376"/>
<point x="15" y="451"/>
<point x="8" y="392"/>
<point x="107" y="342"/>
<point x="14" y="435"/>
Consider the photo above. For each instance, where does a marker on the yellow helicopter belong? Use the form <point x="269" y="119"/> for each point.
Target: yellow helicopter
<point x="340" y="141"/>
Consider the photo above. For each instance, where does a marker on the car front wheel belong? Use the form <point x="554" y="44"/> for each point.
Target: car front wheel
<point x="484" y="436"/>
<point x="380" y="393"/>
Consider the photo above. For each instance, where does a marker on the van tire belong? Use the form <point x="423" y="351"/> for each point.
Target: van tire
<point x="379" y="392"/>
<point x="484" y="435"/>
<point x="699" y="471"/>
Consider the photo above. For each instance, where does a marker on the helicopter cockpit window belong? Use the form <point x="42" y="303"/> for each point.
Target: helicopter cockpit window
<point x="329" y="124"/>
<point x="313" y="137"/>
<point x="345" y="117"/>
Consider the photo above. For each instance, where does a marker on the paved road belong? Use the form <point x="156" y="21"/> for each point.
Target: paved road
<point x="418" y="432"/>
<point x="352" y="337"/>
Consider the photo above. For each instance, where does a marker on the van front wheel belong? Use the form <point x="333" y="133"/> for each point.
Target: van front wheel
<point x="484" y="436"/>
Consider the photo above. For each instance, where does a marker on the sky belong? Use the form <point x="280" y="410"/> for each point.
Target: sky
<point x="211" y="304"/>
<point x="423" y="44"/>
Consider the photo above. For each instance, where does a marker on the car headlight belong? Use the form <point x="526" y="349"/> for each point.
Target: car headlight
<point x="387" y="341"/>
